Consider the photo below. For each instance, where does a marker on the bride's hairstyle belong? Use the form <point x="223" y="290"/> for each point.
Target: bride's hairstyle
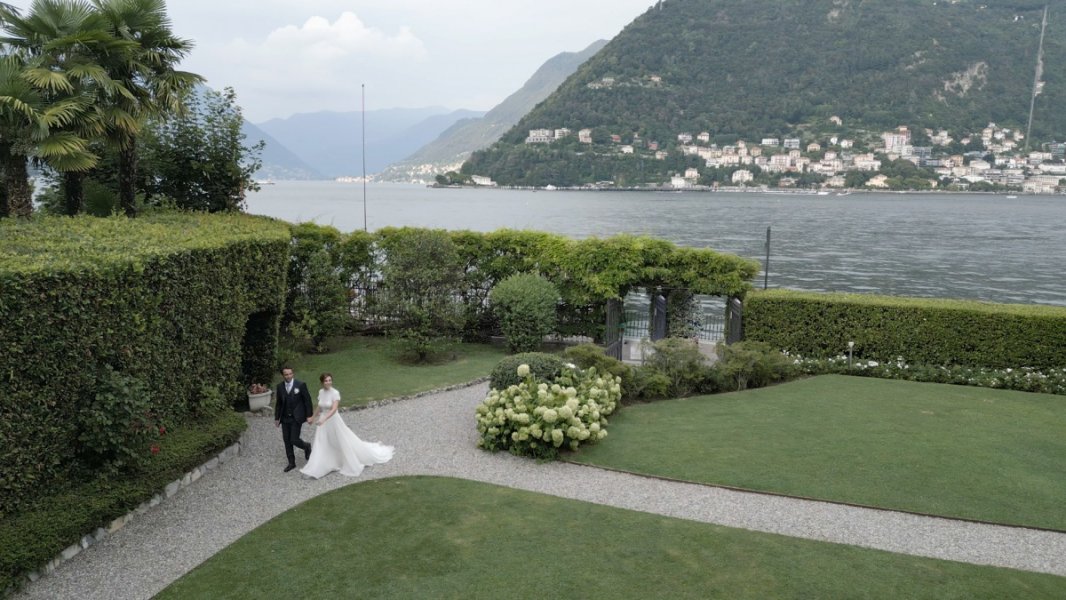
<point x="322" y="377"/>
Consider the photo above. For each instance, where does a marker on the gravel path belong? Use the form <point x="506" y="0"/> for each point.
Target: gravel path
<point x="435" y="435"/>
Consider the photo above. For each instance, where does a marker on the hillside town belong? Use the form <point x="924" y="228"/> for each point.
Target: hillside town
<point x="996" y="158"/>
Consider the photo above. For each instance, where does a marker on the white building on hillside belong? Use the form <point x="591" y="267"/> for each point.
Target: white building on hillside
<point x="539" y="136"/>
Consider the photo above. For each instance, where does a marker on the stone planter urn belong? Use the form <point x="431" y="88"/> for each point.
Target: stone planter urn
<point x="259" y="401"/>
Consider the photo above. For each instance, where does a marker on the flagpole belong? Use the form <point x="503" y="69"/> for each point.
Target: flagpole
<point x="363" y="113"/>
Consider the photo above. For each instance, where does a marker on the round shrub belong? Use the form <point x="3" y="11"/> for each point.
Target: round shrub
<point x="681" y="362"/>
<point x="537" y="418"/>
<point x="650" y="384"/>
<point x="543" y="366"/>
<point x="525" y="305"/>
<point x="751" y="364"/>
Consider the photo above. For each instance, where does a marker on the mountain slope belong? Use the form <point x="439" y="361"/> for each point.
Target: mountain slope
<point x="278" y="161"/>
<point x="331" y="142"/>
<point x="457" y="142"/>
<point x="769" y="68"/>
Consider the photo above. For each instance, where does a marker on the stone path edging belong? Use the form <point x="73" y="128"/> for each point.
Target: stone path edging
<point x="102" y="533"/>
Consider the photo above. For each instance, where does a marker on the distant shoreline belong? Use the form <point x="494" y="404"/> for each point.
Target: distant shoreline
<point x="731" y="190"/>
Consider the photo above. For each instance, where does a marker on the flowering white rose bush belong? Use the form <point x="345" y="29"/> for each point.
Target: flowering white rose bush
<point x="537" y="418"/>
<point x="1024" y="379"/>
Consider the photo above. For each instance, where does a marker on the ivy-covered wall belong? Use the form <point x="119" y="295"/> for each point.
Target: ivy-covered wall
<point x="188" y="305"/>
<point x="921" y="330"/>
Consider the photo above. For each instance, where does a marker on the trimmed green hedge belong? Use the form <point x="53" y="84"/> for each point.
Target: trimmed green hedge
<point x="587" y="272"/>
<point x="56" y="520"/>
<point x="186" y="304"/>
<point x="922" y="331"/>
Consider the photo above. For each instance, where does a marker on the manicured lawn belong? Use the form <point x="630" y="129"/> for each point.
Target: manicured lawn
<point x="425" y="537"/>
<point x="363" y="370"/>
<point x="948" y="450"/>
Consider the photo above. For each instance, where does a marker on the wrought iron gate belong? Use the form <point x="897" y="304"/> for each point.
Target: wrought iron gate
<point x="734" y="321"/>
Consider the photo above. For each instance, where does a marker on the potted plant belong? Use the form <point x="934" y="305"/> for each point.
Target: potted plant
<point x="259" y="396"/>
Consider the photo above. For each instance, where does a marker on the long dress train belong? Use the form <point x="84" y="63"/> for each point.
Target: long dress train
<point x="337" y="448"/>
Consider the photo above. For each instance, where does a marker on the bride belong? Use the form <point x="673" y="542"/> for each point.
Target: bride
<point x="336" y="447"/>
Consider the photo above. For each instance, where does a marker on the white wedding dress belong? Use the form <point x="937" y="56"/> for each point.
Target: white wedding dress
<point x="337" y="448"/>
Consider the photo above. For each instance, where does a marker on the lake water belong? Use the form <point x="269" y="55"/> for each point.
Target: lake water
<point x="976" y="246"/>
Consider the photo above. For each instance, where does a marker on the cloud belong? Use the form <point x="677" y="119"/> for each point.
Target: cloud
<point x="287" y="56"/>
<point x="318" y="39"/>
<point x="320" y="59"/>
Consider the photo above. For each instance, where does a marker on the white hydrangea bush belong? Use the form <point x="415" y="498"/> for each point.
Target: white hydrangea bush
<point x="537" y="419"/>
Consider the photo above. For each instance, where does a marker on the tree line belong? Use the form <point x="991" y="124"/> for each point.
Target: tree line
<point x="92" y="97"/>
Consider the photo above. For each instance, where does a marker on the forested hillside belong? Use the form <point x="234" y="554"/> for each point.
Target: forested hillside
<point x="751" y="69"/>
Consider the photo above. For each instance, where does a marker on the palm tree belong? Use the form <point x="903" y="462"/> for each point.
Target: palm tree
<point x="17" y="112"/>
<point x="146" y="70"/>
<point x="53" y="82"/>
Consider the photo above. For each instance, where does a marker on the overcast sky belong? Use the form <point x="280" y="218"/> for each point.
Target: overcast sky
<point x="290" y="56"/>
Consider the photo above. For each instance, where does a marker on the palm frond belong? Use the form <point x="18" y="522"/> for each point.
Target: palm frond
<point x="45" y="79"/>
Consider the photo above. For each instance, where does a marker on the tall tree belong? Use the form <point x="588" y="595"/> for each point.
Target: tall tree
<point x="16" y="116"/>
<point x="198" y="159"/>
<point x="51" y="82"/>
<point x="146" y="69"/>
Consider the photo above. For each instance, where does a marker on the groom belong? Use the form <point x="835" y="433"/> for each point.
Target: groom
<point x="291" y="411"/>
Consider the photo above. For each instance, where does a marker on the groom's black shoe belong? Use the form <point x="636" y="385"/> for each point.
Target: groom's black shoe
<point x="307" y="452"/>
<point x="289" y="468"/>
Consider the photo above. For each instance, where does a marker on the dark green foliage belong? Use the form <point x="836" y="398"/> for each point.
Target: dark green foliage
<point x="307" y="240"/>
<point x="586" y="272"/>
<point x="677" y="368"/>
<point x="543" y="366"/>
<point x="525" y="305"/>
<point x="453" y="178"/>
<point x="421" y="290"/>
<point x="198" y="159"/>
<point x="167" y="300"/>
<point x="59" y="517"/>
<point x="681" y="362"/>
<point x="776" y="68"/>
<point x="116" y="426"/>
<point x="750" y="364"/>
<point x="649" y="384"/>
<point x="320" y="304"/>
<point x="922" y="331"/>
<point x="591" y="355"/>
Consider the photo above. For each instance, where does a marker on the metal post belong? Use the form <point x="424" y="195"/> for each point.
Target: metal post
<point x="363" y="127"/>
<point x="766" y="269"/>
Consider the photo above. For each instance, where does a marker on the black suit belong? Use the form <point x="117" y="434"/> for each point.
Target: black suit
<point x="292" y="410"/>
